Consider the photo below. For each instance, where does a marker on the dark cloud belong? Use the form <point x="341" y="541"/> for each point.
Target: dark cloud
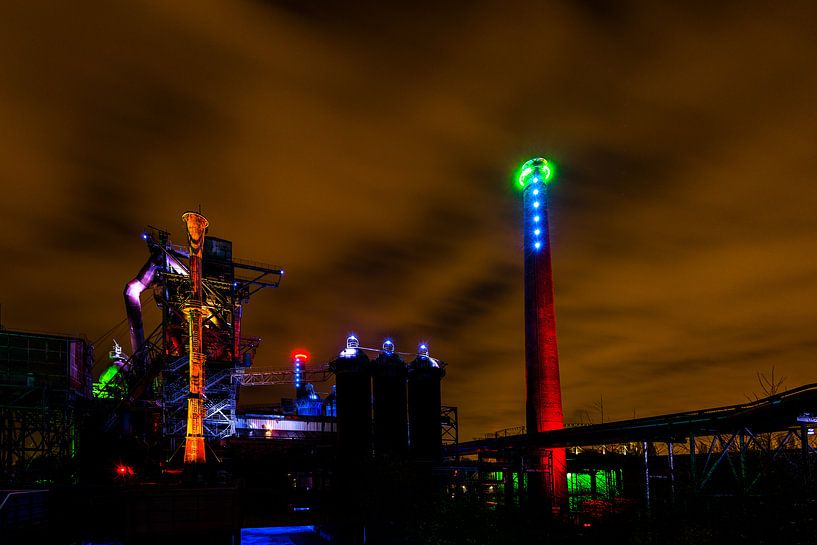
<point x="367" y="148"/>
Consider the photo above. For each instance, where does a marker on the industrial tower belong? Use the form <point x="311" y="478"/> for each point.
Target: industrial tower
<point x="162" y="392"/>
<point x="544" y="394"/>
<point x="194" y="309"/>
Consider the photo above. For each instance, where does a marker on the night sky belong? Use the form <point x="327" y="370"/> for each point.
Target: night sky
<point x="368" y="150"/>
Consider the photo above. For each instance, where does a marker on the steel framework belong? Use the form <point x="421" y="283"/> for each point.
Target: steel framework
<point x="449" y="426"/>
<point x="272" y="377"/>
<point x="43" y="381"/>
<point x="227" y="285"/>
<point x="736" y="450"/>
<point x="202" y="291"/>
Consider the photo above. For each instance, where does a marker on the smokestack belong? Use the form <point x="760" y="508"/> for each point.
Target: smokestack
<point x="544" y="393"/>
<point x="194" y="442"/>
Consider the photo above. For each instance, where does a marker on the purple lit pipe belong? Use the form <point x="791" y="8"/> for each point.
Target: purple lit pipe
<point x="133" y="305"/>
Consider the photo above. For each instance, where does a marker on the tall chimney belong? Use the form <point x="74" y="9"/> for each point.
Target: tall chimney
<point x="544" y="394"/>
<point x="194" y="442"/>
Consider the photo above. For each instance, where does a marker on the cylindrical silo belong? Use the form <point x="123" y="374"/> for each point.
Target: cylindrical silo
<point x="353" y="392"/>
<point x="389" y="403"/>
<point x="424" y="401"/>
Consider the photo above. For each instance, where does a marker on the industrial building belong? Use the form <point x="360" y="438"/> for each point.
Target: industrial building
<point x="159" y="445"/>
<point x="165" y="409"/>
<point x="45" y="388"/>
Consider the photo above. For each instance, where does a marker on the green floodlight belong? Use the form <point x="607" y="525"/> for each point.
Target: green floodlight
<point x="534" y="171"/>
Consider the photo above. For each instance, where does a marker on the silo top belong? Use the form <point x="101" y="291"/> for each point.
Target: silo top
<point x="425" y="365"/>
<point x="389" y="364"/>
<point x="389" y="359"/>
<point x="350" y="360"/>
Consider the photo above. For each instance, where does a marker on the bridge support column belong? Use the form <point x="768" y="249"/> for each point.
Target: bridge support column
<point x="693" y="470"/>
<point x="804" y="449"/>
<point x="742" y="446"/>
<point x="646" y="447"/>
<point x="671" y="462"/>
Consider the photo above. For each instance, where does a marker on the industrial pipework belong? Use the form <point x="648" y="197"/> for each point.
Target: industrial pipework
<point x="544" y="393"/>
<point x="133" y="304"/>
<point x="194" y="441"/>
<point x="110" y="384"/>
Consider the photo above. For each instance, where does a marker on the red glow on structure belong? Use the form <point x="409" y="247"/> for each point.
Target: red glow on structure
<point x="301" y="355"/>
<point x="544" y="391"/>
<point x="194" y="439"/>
<point x="123" y="470"/>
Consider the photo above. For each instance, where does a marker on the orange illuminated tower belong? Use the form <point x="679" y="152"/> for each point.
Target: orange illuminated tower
<point x="544" y="393"/>
<point x="194" y="442"/>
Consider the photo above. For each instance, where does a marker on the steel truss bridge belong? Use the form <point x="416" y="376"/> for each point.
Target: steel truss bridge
<point x="732" y="450"/>
<point x="273" y="377"/>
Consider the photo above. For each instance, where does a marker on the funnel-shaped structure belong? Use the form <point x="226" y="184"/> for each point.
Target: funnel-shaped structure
<point x="544" y="394"/>
<point x="194" y="442"/>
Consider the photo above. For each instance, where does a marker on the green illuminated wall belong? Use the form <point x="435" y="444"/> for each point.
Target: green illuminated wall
<point x="603" y="484"/>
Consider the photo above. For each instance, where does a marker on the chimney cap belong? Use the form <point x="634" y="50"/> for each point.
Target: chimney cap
<point x="534" y="171"/>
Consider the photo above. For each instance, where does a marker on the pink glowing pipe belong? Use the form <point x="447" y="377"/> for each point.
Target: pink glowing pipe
<point x="133" y="306"/>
